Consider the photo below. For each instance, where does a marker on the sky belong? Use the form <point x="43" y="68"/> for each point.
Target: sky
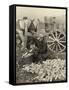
<point x="40" y="13"/>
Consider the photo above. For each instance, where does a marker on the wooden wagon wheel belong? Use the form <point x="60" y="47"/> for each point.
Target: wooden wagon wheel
<point x="56" y="41"/>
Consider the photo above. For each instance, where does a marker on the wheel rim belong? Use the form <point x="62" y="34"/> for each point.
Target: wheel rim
<point x="56" y="41"/>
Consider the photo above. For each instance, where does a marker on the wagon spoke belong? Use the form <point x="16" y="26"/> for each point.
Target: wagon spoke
<point x="53" y="47"/>
<point x="62" y="41"/>
<point x="59" y="46"/>
<point x="51" y="38"/>
<point x="51" y="44"/>
<point x="61" y="38"/>
<point x="56" y="47"/>
<point x="62" y="45"/>
<point x="53" y="35"/>
<point x="50" y="41"/>
<point x="56" y="34"/>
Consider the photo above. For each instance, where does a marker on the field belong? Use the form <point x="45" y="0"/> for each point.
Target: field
<point x="47" y="71"/>
<point x="49" y="67"/>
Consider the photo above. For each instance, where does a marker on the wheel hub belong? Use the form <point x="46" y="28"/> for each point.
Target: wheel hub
<point x="56" y="40"/>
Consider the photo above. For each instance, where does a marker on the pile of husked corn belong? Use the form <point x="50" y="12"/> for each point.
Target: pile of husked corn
<point x="49" y="70"/>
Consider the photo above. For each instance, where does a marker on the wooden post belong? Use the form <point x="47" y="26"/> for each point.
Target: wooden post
<point x="25" y="39"/>
<point x="26" y="31"/>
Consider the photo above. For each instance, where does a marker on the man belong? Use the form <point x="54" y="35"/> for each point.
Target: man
<point x="32" y="30"/>
<point x="22" y="30"/>
<point x="40" y="53"/>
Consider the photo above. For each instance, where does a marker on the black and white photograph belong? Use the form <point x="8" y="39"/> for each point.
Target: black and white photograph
<point x="41" y="44"/>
